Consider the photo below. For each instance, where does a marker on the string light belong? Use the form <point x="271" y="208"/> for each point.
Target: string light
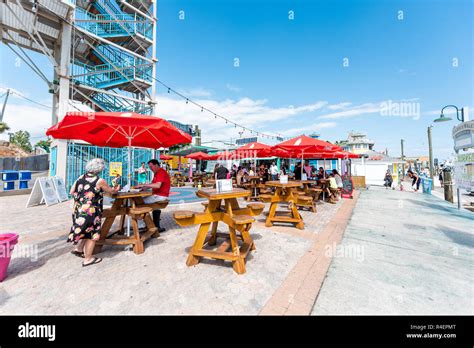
<point x="215" y="114"/>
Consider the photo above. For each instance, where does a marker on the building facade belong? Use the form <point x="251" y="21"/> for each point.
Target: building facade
<point x="357" y="143"/>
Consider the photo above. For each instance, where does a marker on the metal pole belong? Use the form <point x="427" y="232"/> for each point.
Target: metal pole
<point x="430" y="149"/>
<point x="129" y="180"/>
<point x="4" y="105"/>
<point x="448" y="186"/>
<point x="403" y="158"/>
<point x="302" y="164"/>
<point x="458" y="192"/>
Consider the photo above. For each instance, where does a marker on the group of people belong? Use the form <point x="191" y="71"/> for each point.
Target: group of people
<point x="243" y="173"/>
<point x="310" y="171"/>
<point x="89" y="188"/>
<point x="416" y="180"/>
<point x="88" y="191"/>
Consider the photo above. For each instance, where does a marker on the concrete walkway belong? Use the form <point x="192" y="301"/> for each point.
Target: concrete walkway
<point x="44" y="278"/>
<point x="402" y="253"/>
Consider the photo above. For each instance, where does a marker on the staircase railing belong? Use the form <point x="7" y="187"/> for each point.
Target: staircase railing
<point x="118" y="23"/>
<point x="113" y="103"/>
<point x="106" y="25"/>
<point x="106" y="75"/>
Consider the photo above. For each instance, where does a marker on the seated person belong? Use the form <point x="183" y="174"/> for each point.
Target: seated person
<point x="338" y="178"/>
<point x="332" y="188"/>
<point x="160" y="186"/>
<point x="321" y="173"/>
<point x="297" y="171"/>
<point x="221" y="172"/>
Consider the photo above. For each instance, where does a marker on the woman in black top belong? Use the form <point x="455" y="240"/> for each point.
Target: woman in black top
<point x="298" y="171"/>
<point x="416" y="180"/>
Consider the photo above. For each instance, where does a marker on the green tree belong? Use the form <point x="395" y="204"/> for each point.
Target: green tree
<point x="3" y="127"/>
<point x="44" y="144"/>
<point x="22" y="140"/>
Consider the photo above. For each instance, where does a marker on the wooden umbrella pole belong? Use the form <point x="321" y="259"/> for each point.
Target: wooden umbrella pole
<point x="302" y="166"/>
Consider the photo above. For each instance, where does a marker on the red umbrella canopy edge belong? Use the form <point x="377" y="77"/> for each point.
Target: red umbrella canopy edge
<point x="304" y="143"/>
<point x="198" y="156"/>
<point x="118" y="129"/>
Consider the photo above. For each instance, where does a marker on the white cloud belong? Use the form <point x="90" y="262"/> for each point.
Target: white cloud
<point x="340" y="106"/>
<point x="362" y="109"/>
<point x="254" y="114"/>
<point x="309" y="128"/>
<point x="233" y="88"/>
<point x="34" y="119"/>
<point x="195" y="92"/>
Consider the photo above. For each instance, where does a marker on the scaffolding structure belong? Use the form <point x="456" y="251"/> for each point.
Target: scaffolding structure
<point x="102" y="53"/>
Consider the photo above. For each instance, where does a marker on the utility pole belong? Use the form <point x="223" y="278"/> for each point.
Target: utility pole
<point x="403" y="158"/>
<point x="4" y="104"/>
<point x="430" y="149"/>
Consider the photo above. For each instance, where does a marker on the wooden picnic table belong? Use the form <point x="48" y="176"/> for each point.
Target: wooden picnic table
<point x="324" y="185"/>
<point x="199" y="178"/>
<point x="284" y="193"/>
<point x="129" y="204"/>
<point x="222" y="207"/>
<point x="253" y="183"/>
<point x="178" y="180"/>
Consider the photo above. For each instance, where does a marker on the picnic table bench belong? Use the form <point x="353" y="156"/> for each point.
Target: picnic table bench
<point x="129" y="204"/>
<point x="222" y="207"/>
<point x="285" y="193"/>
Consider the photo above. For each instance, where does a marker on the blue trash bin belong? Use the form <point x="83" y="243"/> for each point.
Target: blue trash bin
<point x="23" y="184"/>
<point x="8" y="185"/>
<point x="25" y="175"/>
<point x="427" y="184"/>
<point x="10" y="175"/>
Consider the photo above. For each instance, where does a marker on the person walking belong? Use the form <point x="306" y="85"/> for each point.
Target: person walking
<point x="388" y="180"/>
<point x="160" y="186"/>
<point x="87" y="192"/>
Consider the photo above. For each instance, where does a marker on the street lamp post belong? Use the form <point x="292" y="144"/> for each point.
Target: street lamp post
<point x="430" y="152"/>
<point x="443" y="118"/>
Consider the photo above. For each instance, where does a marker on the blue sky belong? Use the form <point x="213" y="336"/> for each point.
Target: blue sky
<point x="291" y="78"/>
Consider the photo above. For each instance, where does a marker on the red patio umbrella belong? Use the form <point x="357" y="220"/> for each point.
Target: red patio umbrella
<point x="299" y="145"/>
<point x="339" y="154"/>
<point x="222" y="155"/>
<point x="119" y="129"/>
<point x="198" y="156"/>
<point x="254" y="149"/>
<point x="165" y="158"/>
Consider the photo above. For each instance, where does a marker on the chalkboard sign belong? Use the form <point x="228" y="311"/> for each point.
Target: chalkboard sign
<point x="347" y="187"/>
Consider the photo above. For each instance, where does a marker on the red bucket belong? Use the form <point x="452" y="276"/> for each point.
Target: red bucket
<point x="7" y="244"/>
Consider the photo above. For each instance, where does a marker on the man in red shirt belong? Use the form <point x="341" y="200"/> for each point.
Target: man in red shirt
<point x="160" y="186"/>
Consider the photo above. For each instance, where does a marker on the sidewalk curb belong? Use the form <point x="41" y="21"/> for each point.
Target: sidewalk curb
<point x="298" y="292"/>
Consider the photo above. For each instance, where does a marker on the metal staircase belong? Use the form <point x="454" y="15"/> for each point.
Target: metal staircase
<point x="112" y="67"/>
<point x="102" y="53"/>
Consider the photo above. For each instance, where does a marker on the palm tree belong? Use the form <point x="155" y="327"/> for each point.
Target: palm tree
<point x="3" y="127"/>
